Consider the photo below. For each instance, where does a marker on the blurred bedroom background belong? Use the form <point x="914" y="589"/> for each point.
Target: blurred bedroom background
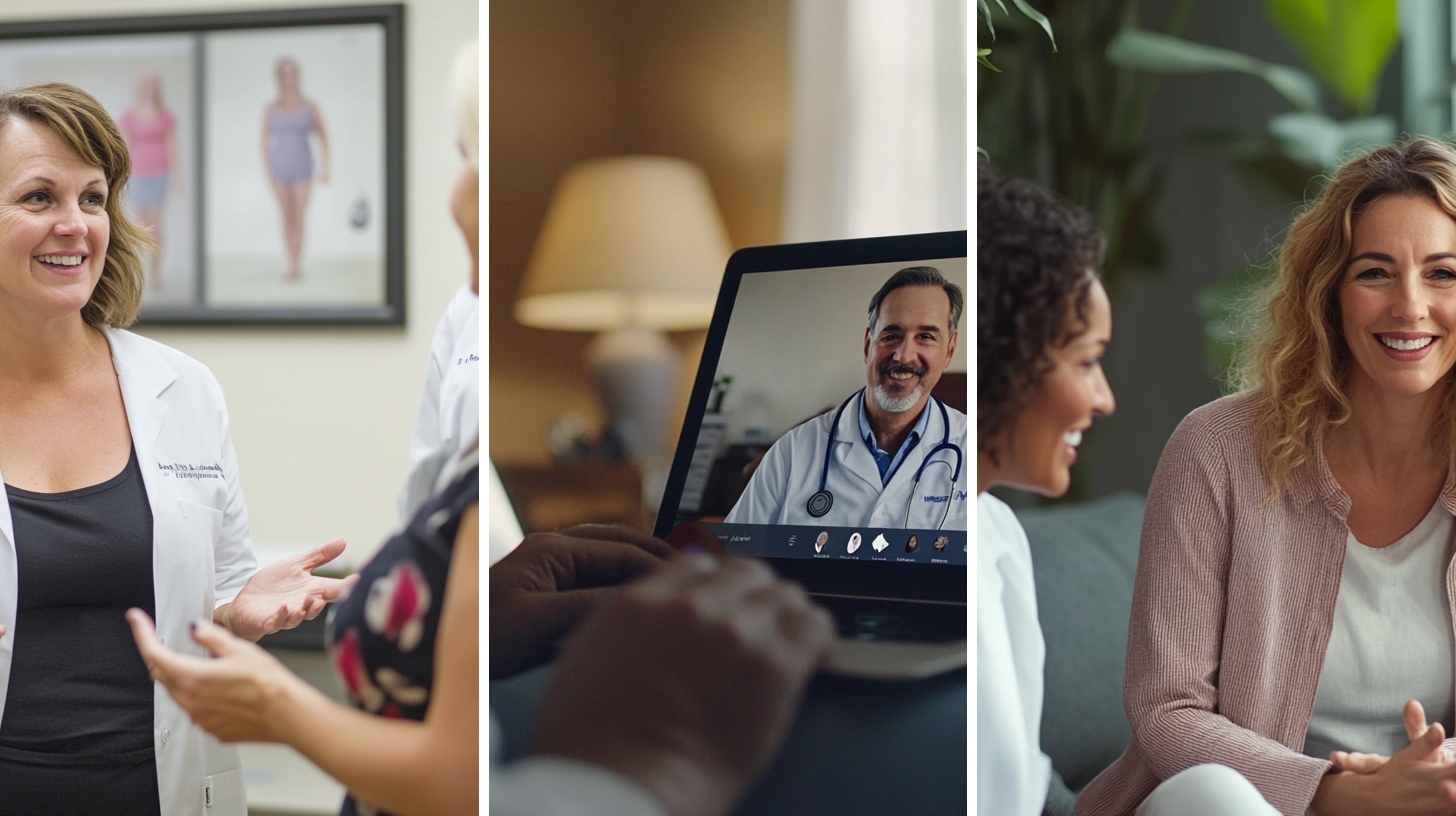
<point x="809" y="120"/>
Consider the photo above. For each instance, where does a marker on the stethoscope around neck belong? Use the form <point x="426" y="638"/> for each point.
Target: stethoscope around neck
<point x="820" y="503"/>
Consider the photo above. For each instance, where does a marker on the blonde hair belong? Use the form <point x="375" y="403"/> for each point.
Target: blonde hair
<point x="467" y="100"/>
<point x="80" y="121"/>
<point x="1299" y="359"/>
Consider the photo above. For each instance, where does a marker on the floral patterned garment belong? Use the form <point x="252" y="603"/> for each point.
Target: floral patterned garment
<point x="382" y="637"/>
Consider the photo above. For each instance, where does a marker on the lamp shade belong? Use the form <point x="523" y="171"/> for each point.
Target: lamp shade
<point x="627" y="241"/>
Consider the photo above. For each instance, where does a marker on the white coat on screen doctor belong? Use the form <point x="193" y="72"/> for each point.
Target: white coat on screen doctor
<point x="909" y="342"/>
<point x="780" y="488"/>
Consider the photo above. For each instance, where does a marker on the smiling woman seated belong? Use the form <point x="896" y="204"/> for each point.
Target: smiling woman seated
<point x="1293" y="595"/>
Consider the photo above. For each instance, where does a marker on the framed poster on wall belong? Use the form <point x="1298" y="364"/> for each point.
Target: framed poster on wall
<point x="266" y="149"/>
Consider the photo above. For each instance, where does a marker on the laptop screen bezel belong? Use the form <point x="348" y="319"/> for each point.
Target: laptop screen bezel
<point x="881" y="579"/>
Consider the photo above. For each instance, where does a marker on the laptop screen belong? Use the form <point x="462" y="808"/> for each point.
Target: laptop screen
<point x="827" y="424"/>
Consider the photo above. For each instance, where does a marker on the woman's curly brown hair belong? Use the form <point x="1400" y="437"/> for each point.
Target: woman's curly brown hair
<point x="1034" y="255"/>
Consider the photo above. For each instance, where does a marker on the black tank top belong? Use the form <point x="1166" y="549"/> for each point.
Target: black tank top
<point x="76" y="735"/>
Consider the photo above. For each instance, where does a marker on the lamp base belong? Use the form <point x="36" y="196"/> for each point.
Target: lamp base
<point x="636" y="371"/>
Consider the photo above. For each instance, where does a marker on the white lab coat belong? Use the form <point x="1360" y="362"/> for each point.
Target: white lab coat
<point x="448" y="417"/>
<point x="780" y="489"/>
<point x="202" y="552"/>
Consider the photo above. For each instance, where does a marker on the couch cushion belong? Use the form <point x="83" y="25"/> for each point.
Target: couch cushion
<point x="1084" y="557"/>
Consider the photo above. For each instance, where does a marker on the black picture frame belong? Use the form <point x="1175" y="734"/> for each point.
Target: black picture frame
<point x="358" y="278"/>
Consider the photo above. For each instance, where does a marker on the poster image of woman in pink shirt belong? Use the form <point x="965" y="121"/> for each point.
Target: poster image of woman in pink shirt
<point x="151" y="137"/>
<point x="1292" y="613"/>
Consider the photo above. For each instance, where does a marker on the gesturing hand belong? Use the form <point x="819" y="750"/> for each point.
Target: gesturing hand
<point x="544" y="587"/>
<point x="686" y="680"/>
<point x="285" y="593"/>
<point x="235" y="696"/>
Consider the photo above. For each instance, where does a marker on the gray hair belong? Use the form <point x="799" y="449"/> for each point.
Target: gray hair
<point x="920" y="276"/>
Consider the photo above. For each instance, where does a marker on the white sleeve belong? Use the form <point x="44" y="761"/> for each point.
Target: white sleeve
<point x="1012" y="772"/>
<point x="546" y="786"/>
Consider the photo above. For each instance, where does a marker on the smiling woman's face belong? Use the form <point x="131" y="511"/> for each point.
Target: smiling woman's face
<point x="1038" y="451"/>
<point x="54" y="229"/>
<point x="1398" y="295"/>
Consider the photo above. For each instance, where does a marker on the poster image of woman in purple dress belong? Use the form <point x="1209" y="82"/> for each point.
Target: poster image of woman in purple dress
<point x="151" y="137"/>
<point x="288" y="122"/>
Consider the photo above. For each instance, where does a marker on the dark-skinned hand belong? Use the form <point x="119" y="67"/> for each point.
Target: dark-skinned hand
<point x="545" y="586"/>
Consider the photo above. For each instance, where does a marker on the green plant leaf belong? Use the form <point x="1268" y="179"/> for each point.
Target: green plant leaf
<point x="1346" y="42"/>
<point x="1162" y="54"/>
<point x="1036" y="17"/>
<point x="1317" y="141"/>
<point x="981" y="55"/>
<point x="986" y="15"/>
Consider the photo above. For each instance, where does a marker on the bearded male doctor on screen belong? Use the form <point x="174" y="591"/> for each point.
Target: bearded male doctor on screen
<point x="891" y="454"/>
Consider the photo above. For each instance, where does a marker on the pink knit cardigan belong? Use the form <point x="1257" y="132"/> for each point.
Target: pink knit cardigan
<point x="1231" y="615"/>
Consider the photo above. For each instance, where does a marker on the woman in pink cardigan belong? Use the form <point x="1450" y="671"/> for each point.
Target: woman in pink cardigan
<point x="1294" y="594"/>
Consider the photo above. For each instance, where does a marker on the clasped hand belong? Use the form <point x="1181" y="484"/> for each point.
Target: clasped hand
<point x="1418" y="779"/>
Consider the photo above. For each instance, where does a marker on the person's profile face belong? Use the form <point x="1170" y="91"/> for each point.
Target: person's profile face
<point x="854" y="540"/>
<point x="1398" y="296"/>
<point x="1041" y="444"/>
<point x="909" y="346"/>
<point x="821" y="541"/>
<point x="941" y="542"/>
<point x="912" y="545"/>
<point x="465" y="206"/>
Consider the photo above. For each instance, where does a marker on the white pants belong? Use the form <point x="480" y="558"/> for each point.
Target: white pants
<point x="1206" y="790"/>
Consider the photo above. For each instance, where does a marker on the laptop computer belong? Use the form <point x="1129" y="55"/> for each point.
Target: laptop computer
<point x="772" y="461"/>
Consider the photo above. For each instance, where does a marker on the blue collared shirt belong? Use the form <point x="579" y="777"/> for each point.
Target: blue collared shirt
<point x="883" y="460"/>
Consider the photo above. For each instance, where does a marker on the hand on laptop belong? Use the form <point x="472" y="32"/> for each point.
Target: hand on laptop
<point x="685" y="682"/>
<point x="547" y="584"/>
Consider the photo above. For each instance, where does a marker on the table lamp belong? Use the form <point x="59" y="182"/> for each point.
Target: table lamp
<point x="631" y="246"/>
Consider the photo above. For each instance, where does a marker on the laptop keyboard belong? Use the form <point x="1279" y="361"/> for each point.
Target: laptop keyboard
<point x="860" y="619"/>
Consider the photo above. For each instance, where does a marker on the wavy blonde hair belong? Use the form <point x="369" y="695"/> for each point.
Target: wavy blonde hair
<point x="1299" y="358"/>
<point x="82" y="123"/>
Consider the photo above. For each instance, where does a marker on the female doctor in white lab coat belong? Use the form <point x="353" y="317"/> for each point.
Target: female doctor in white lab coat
<point x="793" y="473"/>
<point x="121" y="487"/>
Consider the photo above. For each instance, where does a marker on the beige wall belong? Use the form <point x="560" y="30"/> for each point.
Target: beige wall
<point x="576" y="79"/>
<point x="321" y="417"/>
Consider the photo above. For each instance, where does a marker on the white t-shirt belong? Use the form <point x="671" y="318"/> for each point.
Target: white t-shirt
<point x="1012" y="773"/>
<point x="1391" y="642"/>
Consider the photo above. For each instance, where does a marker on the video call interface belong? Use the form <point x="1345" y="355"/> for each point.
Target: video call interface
<point x="793" y="366"/>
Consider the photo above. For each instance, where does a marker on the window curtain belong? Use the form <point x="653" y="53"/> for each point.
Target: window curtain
<point x="877" y="140"/>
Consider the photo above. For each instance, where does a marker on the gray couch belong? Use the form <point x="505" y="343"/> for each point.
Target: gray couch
<point x="1084" y="556"/>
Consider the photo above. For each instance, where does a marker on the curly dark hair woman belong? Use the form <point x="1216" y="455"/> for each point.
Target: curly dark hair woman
<point x="1043" y="321"/>
<point x="1036" y="272"/>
